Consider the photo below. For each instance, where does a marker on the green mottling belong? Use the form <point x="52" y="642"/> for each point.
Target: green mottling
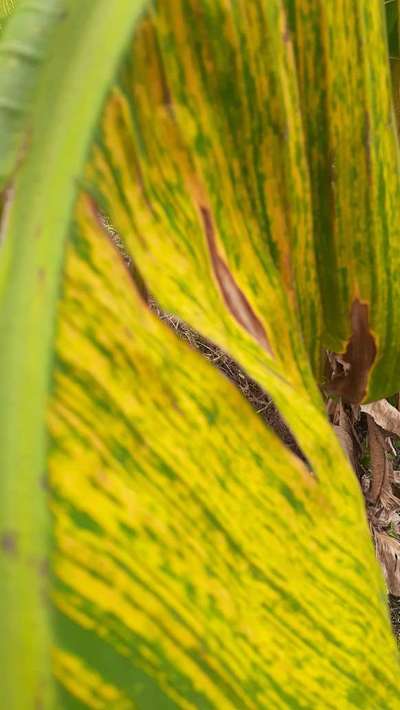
<point x="202" y="144"/>
<point x="122" y="672"/>
<point x="83" y="520"/>
<point x="293" y="500"/>
<point x="211" y="413"/>
<point x="166" y="470"/>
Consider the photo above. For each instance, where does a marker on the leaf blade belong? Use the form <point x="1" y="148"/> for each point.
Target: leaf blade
<point x="176" y="526"/>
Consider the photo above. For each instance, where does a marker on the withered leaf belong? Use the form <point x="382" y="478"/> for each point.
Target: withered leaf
<point x="380" y="464"/>
<point x="388" y="553"/>
<point x="384" y="414"/>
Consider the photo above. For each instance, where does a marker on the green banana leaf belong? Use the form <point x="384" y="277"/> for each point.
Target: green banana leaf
<point x="392" y="16"/>
<point x="161" y="548"/>
<point x="392" y="27"/>
<point x="24" y="42"/>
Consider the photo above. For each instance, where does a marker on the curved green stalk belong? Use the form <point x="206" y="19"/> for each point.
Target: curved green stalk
<point x="71" y="93"/>
<point x="23" y="47"/>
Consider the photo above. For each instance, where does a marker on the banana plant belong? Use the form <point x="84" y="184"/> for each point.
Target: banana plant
<point x="160" y="546"/>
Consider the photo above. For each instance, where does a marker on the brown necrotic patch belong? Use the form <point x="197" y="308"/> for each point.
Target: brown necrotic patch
<point x="360" y="355"/>
<point x="9" y="542"/>
<point x="233" y="296"/>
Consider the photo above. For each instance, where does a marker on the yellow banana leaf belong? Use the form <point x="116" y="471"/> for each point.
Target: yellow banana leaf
<point x="271" y="144"/>
<point x="192" y="548"/>
<point x="195" y="562"/>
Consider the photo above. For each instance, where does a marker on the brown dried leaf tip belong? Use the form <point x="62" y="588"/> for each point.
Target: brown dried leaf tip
<point x="360" y="355"/>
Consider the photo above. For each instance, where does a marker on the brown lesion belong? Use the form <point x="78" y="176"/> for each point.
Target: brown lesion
<point x="9" y="542"/>
<point x="360" y="355"/>
<point x="6" y="199"/>
<point x="233" y="296"/>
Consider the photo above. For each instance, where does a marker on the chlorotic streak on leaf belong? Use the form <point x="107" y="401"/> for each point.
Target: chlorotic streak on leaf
<point x="247" y="155"/>
<point x="352" y="149"/>
<point x="298" y="176"/>
<point x="195" y="150"/>
<point x="170" y="529"/>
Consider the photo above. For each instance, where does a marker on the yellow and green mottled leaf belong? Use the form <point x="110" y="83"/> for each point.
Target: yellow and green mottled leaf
<point x="195" y="562"/>
<point x="207" y="186"/>
<point x="353" y="157"/>
<point x="174" y="185"/>
<point x="229" y="151"/>
<point x="205" y="559"/>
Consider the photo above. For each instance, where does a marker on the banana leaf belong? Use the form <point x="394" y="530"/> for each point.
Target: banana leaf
<point x="161" y="547"/>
